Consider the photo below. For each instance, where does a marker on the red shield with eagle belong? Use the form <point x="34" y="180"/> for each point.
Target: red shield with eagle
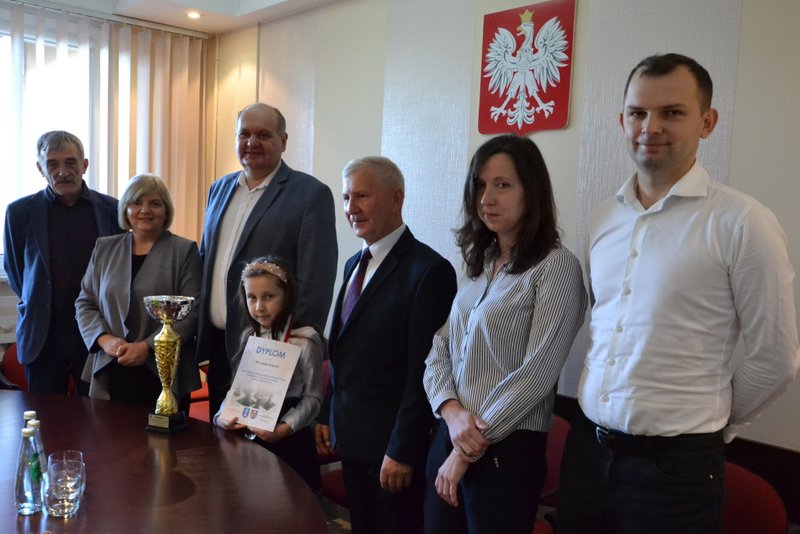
<point x="525" y="68"/>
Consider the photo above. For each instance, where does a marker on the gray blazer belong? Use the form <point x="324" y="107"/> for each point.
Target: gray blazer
<point x="109" y="303"/>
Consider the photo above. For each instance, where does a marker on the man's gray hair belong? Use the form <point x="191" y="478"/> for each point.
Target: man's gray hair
<point x="57" y="140"/>
<point x="265" y="107"/>
<point x="383" y="169"/>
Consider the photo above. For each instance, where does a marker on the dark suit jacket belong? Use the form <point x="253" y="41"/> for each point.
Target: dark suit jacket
<point x="27" y="262"/>
<point x="378" y="403"/>
<point x="293" y="219"/>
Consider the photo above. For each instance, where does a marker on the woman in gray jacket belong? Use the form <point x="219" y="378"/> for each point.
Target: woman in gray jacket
<point x="147" y="260"/>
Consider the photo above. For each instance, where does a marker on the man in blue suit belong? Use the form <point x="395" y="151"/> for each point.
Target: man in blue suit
<point x="49" y="237"/>
<point x="266" y="208"/>
<point x="380" y="419"/>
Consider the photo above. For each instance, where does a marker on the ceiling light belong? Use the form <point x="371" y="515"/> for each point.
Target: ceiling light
<point x="194" y="15"/>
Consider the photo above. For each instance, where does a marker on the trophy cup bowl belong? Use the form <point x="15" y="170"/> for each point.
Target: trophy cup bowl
<point x="168" y="309"/>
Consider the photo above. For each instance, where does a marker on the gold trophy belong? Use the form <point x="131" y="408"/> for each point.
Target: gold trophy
<point x="168" y="309"/>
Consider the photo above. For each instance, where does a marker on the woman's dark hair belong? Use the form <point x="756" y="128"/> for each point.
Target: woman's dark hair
<point x="278" y="269"/>
<point x="539" y="232"/>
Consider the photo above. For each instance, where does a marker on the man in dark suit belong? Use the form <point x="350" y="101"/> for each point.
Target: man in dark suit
<point x="266" y="208"/>
<point x="49" y="237"/>
<point x="379" y="416"/>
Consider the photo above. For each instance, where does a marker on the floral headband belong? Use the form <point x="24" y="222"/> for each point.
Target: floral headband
<point x="274" y="269"/>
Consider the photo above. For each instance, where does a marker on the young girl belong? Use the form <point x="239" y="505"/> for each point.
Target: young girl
<point x="268" y="291"/>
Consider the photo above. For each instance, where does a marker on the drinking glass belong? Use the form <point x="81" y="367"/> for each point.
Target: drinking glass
<point x="64" y="487"/>
<point x="74" y="456"/>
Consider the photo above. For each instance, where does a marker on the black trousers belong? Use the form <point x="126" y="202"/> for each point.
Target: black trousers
<point x="63" y="356"/>
<point x="499" y="493"/>
<point x="661" y="485"/>
<point x="219" y="371"/>
<point x="375" y="511"/>
<point x="299" y="451"/>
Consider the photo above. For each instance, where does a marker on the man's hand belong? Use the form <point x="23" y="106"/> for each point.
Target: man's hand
<point x="466" y="429"/>
<point x="322" y="436"/>
<point x="449" y="475"/>
<point x="395" y="477"/>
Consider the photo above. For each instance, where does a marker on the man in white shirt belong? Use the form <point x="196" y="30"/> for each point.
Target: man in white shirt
<point x="679" y="266"/>
<point x="266" y="208"/>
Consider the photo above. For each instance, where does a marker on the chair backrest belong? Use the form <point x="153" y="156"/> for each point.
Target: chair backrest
<point x="326" y="378"/>
<point x="327" y="458"/>
<point x="556" y="438"/>
<point x="12" y="369"/>
<point x="751" y="504"/>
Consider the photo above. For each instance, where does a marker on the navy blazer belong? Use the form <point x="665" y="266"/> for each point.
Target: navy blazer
<point x="27" y="262"/>
<point x="378" y="404"/>
<point x="293" y="219"/>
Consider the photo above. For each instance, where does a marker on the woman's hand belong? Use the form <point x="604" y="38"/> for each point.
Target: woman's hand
<point x="228" y="424"/>
<point x="449" y="475"/>
<point x="110" y="344"/>
<point x="466" y="430"/>
<point x="133" y="354"/>
<point x="281" y="431"/>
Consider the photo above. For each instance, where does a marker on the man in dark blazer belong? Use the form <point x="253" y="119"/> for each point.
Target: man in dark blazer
<point x="49" y="237"/>
<point x="266" y="208"/>
<point x="379" y="416"/>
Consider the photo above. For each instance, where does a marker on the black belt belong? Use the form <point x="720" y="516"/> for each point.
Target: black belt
<point x="620" y="441"/>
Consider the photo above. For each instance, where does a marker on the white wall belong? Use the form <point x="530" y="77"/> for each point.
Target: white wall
<point x="708" y="31"/>
<point x="401" y="77"/>
<point x="765" y="150"/>
<point x="233" y="67"/>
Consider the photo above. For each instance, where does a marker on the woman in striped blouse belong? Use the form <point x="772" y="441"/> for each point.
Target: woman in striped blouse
<point x="492" y="371"/>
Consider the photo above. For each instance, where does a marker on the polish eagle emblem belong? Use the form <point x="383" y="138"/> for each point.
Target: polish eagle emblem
<point x="522" y="74"/>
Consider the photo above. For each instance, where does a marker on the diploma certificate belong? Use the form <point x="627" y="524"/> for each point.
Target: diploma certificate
<point x="260" y="384"/>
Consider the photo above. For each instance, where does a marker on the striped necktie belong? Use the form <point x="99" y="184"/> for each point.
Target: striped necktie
<point x="354" y="291"/>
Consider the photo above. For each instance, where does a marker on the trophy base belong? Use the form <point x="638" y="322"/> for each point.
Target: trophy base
<point x="166" y="424"/>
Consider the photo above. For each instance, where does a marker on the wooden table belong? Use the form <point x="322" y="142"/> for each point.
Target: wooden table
<point x="200" y="480"/>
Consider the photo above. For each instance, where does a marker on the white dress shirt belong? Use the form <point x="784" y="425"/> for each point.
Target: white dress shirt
<point x="236" y="214"/>
<point x="379" y="250"/>
<point x="673" y="287"/>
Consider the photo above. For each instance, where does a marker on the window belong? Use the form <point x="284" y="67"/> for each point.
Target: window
<point x="132" y="95"/>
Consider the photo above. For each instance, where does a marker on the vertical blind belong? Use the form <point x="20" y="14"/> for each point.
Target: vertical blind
<point x="133" y="95"/>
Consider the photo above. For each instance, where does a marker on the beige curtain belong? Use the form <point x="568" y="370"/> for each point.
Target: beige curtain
<point x="133" y="95"/>
<point x="159" y="113"/>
